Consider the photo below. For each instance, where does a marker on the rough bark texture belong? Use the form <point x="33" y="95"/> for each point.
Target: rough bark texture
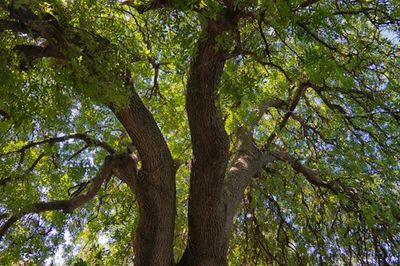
<point x="154" y="186"/>
<point x="206" y="213"/>
<point x="246" y="163"/>
<point x="215" y="193"/>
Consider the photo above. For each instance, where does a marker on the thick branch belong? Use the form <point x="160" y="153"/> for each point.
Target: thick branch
<point x="145" y="135"/>
<point x="276" y="103"/>
<point x="210" y="145"/>
<point x="247" y="162"/>
<point x="313" y="176"/>
<point x="32" y="52"/>
<point x="127" y="170"/>
<point x="66" y="206"/>
<point x="209" y="139"/>
<point x="155" y="186"/>
<point x="12" y="26"/>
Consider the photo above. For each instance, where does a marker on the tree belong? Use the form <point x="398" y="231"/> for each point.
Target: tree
<point x="200" y="132"/>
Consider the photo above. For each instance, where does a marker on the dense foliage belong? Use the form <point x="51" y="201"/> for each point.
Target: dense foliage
<point x="313" y="85"/>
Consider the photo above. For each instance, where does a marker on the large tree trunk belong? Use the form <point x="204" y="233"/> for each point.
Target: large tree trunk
<point x="207" y="244"/>
<point x="215" y="193"/>
<point x="154" y="186"/>
<point x="155" y="233"/>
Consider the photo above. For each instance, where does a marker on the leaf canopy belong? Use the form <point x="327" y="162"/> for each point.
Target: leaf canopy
<point x="340" y="57"/>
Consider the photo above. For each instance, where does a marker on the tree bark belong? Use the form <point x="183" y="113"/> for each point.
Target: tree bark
<point x="206" y="212"/>
<point x="246" y="163"/>
<point x="154" y="186"/>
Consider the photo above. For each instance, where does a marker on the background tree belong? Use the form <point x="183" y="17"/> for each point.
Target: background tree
<point x="200" y="132"/>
